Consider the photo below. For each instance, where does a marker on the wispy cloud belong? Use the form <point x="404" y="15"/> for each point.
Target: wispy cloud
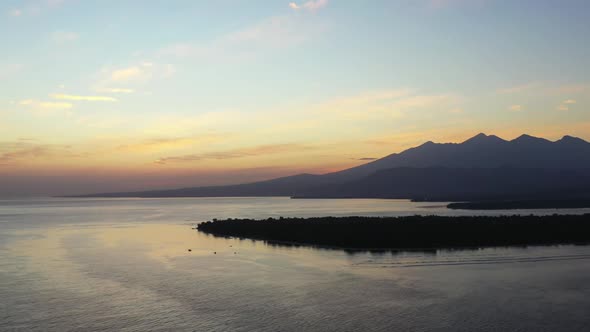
<point x="438" y="4"/>
<point x="46" y="104"/>
<point x="24" y="150"/>
<point x="7" y="70"/>
<point x="138" y="73"/>
<point x="236" y="153"/>
<point x="35" y="8"/>
<point x="128" y="74"/>
<point x="115" y="90"/>
<point x="521" y="88"/>
<point x="274" y="33"/>
<point x="82" y="98"/>
<point x="546" y="87"/>
<point x="62" y="37"/>
<point x="376" y="96"/>
<point x="14" y="151"/>
<point x="563" y="107"/>
<point x="47" y="107"/>
<point x="571" y="89"/>
<point x="15" y="12"/>
<point x="395" y="102"/>
<point x="312" y="5"/>
<point x="170" y="143"/>
<point x="54" y="3"/>
<point x="424" y="101"/>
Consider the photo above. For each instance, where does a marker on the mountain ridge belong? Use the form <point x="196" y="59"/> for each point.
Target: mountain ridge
<point x="480" y="151"/>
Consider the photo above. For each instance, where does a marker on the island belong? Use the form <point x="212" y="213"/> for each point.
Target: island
<point x="412" y="232"/>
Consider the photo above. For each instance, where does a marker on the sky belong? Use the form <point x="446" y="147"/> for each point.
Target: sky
<point x="121" y="95"/>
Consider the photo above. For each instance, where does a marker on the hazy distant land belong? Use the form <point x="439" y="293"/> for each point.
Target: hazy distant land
<point x="410" y="232"/>
<point x="524" y="204"/>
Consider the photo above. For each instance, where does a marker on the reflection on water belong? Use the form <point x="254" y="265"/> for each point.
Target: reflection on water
<point x="125" y="265"/>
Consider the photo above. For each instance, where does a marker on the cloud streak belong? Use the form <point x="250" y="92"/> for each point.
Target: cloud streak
<point x="35" y="8"/>
<point x="546" y="87"/>
<point x="128" y="74"/>
<point x="388" y="103"/>
<point x="82" y="98"/>
<point x="14" y="152"/>
<point x="15" y="12"/>
<point x="132" y="75"/>
<point x="565" y="105"/>
<point x="563" y="108"/>
<point x="63" y="37"/>
<point x="313" y="5"/>
<point x="274" y="33"/>
<point x="9" y="70"/>
<point x="44" y="108"/>
<point x="46" y="104"/>
<point x="520" y="88"/>
<point x="439" y="4"/>
<point x="170" y="143"/>
<point x="572" y="89"/>
<point x="115" y="90"/>
<point x="236" y="153"/>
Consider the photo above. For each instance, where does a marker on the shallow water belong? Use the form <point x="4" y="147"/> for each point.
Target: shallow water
<point x="123" y="264"/>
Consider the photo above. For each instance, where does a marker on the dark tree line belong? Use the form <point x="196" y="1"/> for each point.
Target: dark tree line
<point x="409" y="232"/>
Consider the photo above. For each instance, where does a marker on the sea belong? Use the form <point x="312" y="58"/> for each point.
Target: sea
<point x="124" y="265"/>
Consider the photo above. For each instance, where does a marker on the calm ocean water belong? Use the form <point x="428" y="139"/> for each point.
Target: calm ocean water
<point x="123" y="265"/>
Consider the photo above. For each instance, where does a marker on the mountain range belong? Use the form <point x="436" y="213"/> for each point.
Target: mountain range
<point x="483" y="167"/>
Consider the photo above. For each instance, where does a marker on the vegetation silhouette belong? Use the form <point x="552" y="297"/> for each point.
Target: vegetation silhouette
<point x="413" y="232"/>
